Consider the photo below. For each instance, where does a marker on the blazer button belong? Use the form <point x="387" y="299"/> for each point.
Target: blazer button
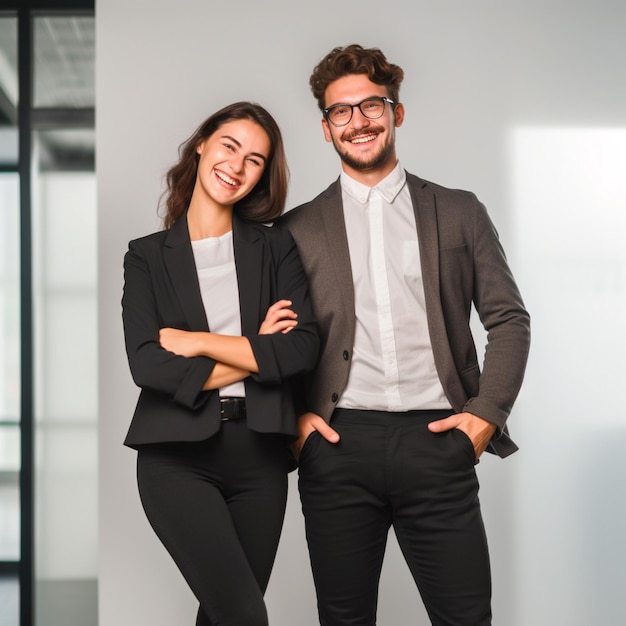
<point x="346" y="355"/>
<point x="334" y="397"/>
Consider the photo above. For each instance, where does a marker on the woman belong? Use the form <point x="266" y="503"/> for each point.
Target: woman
<point x="217" y="317"/>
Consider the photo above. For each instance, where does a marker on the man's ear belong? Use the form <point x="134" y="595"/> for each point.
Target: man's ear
<point x="399" y="114"/>
<point x="326" y="128"/>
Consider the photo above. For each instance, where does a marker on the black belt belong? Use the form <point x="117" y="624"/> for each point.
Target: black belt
<point x="232" y="409"/>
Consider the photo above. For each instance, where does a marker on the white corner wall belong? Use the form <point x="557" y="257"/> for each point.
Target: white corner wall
<point x="497" y="96"/>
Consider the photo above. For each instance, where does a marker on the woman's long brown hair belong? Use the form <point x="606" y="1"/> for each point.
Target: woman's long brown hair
<point x="265" y="202"/>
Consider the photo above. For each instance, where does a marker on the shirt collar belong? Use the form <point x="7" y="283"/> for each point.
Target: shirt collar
<point x="389" y="187"/>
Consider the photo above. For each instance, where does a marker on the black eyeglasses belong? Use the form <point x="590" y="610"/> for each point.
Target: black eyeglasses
<point x="372" y="108"/>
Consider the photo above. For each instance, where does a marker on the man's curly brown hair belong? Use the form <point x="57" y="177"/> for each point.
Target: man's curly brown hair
<point x="354" y="59"/>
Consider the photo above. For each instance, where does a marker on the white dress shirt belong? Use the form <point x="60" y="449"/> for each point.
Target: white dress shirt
<point x="393" y="367"/>
<point x="215" y="264"/>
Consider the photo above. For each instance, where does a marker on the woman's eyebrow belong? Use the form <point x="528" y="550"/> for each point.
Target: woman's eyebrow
<point x="257" y="154"/>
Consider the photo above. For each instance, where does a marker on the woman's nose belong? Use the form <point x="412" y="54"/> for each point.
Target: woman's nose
<point x="236" y="163"/>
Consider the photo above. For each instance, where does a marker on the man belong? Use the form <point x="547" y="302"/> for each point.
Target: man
<point x="398" y="411"/>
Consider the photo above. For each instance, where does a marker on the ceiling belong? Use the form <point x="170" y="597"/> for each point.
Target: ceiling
<point x="63" y="88"/>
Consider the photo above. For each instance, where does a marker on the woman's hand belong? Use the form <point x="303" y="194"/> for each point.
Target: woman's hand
<point x="279" y="318"/>
<point x="182" y="342"/>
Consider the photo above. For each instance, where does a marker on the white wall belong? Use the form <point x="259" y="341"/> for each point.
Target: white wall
<point x="525" y="104"/>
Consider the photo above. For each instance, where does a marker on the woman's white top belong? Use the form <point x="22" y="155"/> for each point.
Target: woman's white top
<point x="215" y="264"/>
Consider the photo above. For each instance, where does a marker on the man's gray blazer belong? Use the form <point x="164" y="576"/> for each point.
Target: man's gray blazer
<point x="462" y="263"/>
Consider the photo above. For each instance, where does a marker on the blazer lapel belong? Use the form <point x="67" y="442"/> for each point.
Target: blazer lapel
<point x="425" y="207"/>
<point x="181" y="267"/>
<point x="427" y="235"/>
<point x="249" y="263"/>
<point x="331" y="209"/>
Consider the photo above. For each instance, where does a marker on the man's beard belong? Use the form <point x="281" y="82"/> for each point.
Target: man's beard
<point x="366" y="164"/>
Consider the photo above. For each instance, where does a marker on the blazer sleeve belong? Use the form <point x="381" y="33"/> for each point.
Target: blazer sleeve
<point x="280" y="356"/>
<point x="503" y="315"/>
<point x="144" y="296"/>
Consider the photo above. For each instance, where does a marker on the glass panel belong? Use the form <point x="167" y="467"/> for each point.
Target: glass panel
<point x="9" y="600"/>
<point x="9" y="493"/>
<point x="9" y="323"/>
<point x="9" y="298"/>
<point x="65" y="326"/>
<point x="8" y="71"/>
<point x="67" y="149"/>
<point x="9" y="367"/>
<point x="9" y="454"/>
<point x="64" y="56"/>
<point x="8" y="146"/>
<point x="9" y="226"/>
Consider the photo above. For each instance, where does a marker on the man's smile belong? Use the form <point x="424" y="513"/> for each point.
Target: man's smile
<point x="363" y="138"/>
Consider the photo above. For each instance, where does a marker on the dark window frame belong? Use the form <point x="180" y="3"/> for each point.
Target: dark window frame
<point x="30" y="119"/>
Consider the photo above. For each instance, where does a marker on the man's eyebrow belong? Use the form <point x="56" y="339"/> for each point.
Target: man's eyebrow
<point x="257" y="154"/>
<point x="353" y="104"/>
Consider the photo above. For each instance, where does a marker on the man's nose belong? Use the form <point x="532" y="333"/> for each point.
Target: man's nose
<point x="358" y="119"/>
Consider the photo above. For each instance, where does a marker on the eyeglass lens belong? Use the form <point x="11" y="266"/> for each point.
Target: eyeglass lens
<point x="372" y="108"/>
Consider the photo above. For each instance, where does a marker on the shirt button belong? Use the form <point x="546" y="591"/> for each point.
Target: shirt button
<point x="334" y="397"/>
<point x="346" y="355"/>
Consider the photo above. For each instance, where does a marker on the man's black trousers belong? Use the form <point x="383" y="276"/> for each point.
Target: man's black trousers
<point x="389" y="470"/>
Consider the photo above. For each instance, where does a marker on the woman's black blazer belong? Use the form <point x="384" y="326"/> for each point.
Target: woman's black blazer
<point x="161" y="290"/>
